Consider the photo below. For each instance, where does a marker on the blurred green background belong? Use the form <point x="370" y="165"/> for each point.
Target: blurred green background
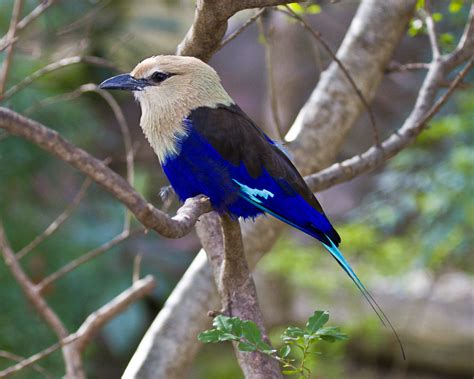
<point x="407" y="229"/>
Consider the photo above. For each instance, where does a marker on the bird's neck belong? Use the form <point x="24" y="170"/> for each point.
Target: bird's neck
<point x="162" y="118"/>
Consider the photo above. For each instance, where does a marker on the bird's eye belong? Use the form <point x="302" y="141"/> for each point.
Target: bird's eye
<point x="158" y="76"/>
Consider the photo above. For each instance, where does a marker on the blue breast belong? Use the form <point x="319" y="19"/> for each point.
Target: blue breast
<point x="199" y="169"/>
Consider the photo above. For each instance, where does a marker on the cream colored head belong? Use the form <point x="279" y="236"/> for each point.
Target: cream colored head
<point x="168" y="88"/>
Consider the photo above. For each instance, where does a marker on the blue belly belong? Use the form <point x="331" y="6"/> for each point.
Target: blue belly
<point x="199" y="169"/>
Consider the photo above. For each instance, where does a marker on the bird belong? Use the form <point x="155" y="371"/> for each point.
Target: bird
<point x="207" y="145"/>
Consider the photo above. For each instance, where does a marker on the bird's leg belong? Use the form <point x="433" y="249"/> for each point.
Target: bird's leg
<point x="167" y="195"/>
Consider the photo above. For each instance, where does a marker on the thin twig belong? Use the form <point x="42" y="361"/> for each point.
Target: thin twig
<point x="244" y="26"/>
<point x="17" y="6"/>
<point x="38" y="356"/>
<point x="48" y="101"/>
<point x="465" y="47"/>
<point x="17" y="358"/>
<point x="65" y="62"/>
<point x="398" y="67"/>
<point x="271" y="81"/>
<point x="317" y="35"/>
<point x="25" y="21"/>
<point x="118" y="304"/>
<point x="137" y="262"/>
<point x="127" y="141"/>
<point x="72" y="265"/>
<point x="431" y="28"/>
<point x="54" y="226"/>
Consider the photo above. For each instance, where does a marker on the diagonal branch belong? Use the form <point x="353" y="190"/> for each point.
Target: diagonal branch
<point x="37" y="357"/>
<point x="65" y="62"/>
<point x="96" y="320"/>
<point x="244" y="26"/>
<point x="56" y="224"/>
<point x="204" y="37"/>
<point x="146" y="213"/>
<point x="376" y="156"/>
<point x="17" y="358"/>
<point x="94" y="253"/>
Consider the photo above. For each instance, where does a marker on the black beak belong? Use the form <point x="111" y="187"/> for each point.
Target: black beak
<point x="124" y="82"/>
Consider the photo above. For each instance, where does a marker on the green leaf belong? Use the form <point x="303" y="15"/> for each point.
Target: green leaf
<point x="455" y="6"/>
<point x="331" y="334"/>
<point x="290" y="372"/>
<point x="245" y="346"/>
<point x="297" y="8"/>
<point x="208" y="336"/>
<point x="437" y="17"/>
<point x="293" y="332"/>
<point x="446" y="39"/>
<point x="285" y="350"/>
<point x="313" y="9"/>
<point x="420" y="4"/>
<point x="251" y="332"/>
<point x="231" y="325"/>
<point x="316" y="321"/>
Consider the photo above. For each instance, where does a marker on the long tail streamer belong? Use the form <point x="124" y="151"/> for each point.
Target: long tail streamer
<point x="336" y="253"/>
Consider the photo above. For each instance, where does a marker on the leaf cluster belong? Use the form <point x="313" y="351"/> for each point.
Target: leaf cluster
<point x="248" y="338"/>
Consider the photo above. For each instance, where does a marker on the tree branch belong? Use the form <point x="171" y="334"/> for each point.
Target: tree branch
<point x="235" y="286"/>
<point x="72" y="265"/>
<point x="56" y="224"/>
<point x="244" y="26"/>
<point x="96" y="320"/>
<point x="65" y="62"/>
<point x="17" y="358"/>
<point x="210" y="24"/>
<point x="413" y="126"/>
<point x="152" y="218"/>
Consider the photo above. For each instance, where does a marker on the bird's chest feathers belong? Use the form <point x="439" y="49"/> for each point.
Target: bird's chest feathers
<point x="164" y="131"/>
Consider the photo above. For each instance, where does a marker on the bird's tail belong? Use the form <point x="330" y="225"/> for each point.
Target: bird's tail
<point x="336" y="253"/>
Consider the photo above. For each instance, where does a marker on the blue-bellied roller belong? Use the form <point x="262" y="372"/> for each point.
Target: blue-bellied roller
<point x="207" y="145"/>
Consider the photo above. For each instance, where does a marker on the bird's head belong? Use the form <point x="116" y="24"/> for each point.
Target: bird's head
<point x="168" y="88"/>
<point x="166" y="81"/>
